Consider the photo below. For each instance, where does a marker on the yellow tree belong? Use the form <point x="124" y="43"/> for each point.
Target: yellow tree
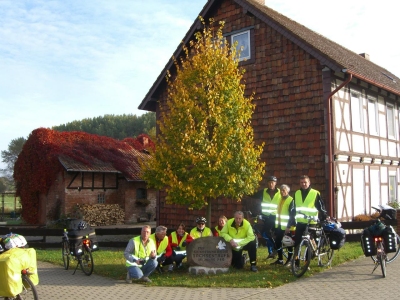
<point x="205" y="147"/>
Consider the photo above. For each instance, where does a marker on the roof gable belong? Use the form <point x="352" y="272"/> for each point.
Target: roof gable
<point x="329" y="53"/>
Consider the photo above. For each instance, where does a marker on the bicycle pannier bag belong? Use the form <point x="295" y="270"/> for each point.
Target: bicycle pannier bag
<point x="377" y="228"/>
<point x="389" y="240"/>
<point x="75" y="242"/>
<point x="337" y="237"/>
<point x="367" y="243"/>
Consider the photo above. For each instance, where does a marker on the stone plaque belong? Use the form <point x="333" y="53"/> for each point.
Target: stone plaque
<point x="210" y="252"/>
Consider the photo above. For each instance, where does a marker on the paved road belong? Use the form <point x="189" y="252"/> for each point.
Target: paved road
<point x="352" y="280"/>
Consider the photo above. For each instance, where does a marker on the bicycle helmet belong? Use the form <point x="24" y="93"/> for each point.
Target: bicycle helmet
<point x="287" y="241"/>
<point x="272" y="178"/>
<point x="201" y="220"/>
<point x="82" y="225"/>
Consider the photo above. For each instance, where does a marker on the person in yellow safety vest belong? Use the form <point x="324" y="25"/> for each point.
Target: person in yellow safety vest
<point x="164" y="250"/>
<point x="178" y="240"/>
<point x="140" y="255"/>
<point x="285" y="222"/>
<point x="239" y="233"/>
<point x="200" y="230"/>
<point x="307" y="201"/>
<point x="221" y="223"/>
<point x="269" y="198"/>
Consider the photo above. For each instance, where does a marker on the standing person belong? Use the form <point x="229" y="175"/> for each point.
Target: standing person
<point x="178" y="240"/>
<point x="140" y="255"/>
<point x="307" y="201"/>
<point x="269" y="198"/>
<point x="285" y="220"/>
<point x="200" y="230"/>
<point x="221" y="223"/>
<point x="239" y="233"/>
<point x="164" y="250"/>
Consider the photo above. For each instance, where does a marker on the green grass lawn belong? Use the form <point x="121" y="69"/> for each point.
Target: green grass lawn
<point x="111" y="263"/>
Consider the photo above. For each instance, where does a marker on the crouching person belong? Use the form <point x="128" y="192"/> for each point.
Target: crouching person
<point x="239" y="233"/>
<point x="140" y="255"/>
<point x="163" y="248"/>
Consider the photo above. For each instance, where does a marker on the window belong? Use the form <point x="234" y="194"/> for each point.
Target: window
<point x="392" y="188"/>
<point x="243" y="44"/>
<point x="141" y="194"/>
<point x="356" y="111"/>
<point x="372" y="116"/>
<point x="390" y="120"/>
<point x="101" y="198"/>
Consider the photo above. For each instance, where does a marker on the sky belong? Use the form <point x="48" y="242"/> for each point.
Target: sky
<point x="67" y="60"/>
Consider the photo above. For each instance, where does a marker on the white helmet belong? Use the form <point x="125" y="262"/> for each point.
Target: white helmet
<point x="287" y="241"/>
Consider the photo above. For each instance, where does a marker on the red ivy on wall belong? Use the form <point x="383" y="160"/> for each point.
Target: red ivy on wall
<point x="37" y="165"/>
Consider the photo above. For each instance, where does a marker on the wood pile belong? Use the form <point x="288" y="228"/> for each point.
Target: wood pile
<point x="101" y="214"/>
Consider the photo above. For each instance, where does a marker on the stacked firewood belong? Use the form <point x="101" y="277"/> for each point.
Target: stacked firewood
<point x="101" y="214"/>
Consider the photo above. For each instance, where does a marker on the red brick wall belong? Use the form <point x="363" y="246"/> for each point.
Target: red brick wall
<point x="289" y="114"/>
<point x="60" y="200"/>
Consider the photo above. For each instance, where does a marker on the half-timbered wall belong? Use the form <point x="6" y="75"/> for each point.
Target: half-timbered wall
<point x="366" y="121"/>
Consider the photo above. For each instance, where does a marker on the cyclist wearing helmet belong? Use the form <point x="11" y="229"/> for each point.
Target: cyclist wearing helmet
<point x="269" y="198"/>
<point x="200" y="230"/>
<point x="285" y="221"/>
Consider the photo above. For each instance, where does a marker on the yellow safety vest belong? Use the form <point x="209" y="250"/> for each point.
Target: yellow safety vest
<point x="141" y="252"/>
<point x="174" y="239"/>
<point x="268" y="205"/>
<point x="197" y="234"/>
<point x="162" y="247"/>
<point x="282" y="218"/>
<point x="307" y="207"/>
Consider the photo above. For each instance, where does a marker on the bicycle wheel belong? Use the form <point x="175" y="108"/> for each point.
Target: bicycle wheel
<point x="65" y="254"/>
<point x="325" y="253"/>
<point x="382" y="262"/>
<point x="29" y="290"/>
<point x="392" y="255"/>
<point x="301" y="258"/>
<point x="86" y="261"/>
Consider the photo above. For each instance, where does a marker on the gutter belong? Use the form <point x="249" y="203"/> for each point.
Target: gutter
<point x="330" y="149"/>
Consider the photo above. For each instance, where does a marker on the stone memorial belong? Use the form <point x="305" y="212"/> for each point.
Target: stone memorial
<point x="209" y="255"/>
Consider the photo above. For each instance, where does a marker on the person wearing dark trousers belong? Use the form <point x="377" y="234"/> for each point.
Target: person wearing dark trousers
<point x="285" y="222"/>
<point x="239" y="233"/>
<point x="269" y="198"/>
<point x="307" y="201"/>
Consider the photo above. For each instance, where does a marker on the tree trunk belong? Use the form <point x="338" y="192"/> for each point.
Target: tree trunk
<point x="208" y="217"/>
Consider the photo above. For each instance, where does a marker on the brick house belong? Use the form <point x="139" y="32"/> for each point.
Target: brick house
<point x="85" y="169"/>
<point x="321" y="109"/>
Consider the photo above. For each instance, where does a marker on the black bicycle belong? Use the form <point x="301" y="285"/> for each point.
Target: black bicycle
<point x="268" y="240"/>
<point x="82" y="254"/>
<point x="314" y="244"/>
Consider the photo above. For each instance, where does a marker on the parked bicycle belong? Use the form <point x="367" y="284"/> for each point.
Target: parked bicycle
<point x="28" y="287"/>
<point x="315" y="243"/>
<point x="269" y="240"/>
<point x="381" y="242"/>
<point x="81" y="251"/>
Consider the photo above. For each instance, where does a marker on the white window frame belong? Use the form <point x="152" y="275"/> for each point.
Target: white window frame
<point x="356" y="104"/>
<point x="101" y="198"/>
<point x="390" y="121"/>
<point x="243" y="39"/>
<point x="392" y="187"/>
<point x="373" y="121"/>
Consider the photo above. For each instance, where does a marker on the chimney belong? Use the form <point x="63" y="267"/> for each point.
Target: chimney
<point x="365" y="55"/>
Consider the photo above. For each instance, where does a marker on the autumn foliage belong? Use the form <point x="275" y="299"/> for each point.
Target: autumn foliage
<point x="37" y="165"/>
<point x="205" y="143"/>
